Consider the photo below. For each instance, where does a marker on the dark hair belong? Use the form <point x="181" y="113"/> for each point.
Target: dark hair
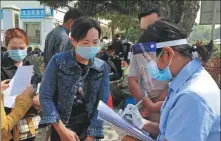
<point x="105" y="37"/>
<point x="110" y="47"/>
<point x="15" y="33"/>
<point x="117" y="35"/>
<point x="3" y="49"/>
<point x="72" y="13"/>
<point x="29" y="48"/>
<point x="165" y="30"/>
<point x="81" y="27"/>
<point x="148" y="10"/>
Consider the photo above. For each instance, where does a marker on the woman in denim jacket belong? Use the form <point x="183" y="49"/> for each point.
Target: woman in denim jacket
<point x="73" y="84"/>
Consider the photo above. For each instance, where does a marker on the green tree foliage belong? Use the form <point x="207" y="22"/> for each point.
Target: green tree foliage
<point x="200" y="32"/>
<point x="182" y="12"/>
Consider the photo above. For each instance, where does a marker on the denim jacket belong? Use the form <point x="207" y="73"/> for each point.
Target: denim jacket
<point x="59" y="86"/>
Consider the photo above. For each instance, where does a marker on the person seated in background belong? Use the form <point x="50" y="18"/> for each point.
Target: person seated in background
<point x="106" y="56"/>
<point x="23" y="103"/>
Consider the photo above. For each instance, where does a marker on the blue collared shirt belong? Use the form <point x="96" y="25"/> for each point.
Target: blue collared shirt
<point x="191" y="111"/>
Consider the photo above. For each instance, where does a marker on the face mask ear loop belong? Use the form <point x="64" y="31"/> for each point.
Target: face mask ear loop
<point x="157" y="59"/>
<point x="171" y="59"/>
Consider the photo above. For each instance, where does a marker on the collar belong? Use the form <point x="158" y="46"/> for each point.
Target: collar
<point x="94" y="63"/>
<point x="185" y="74"/>
<point x="66" y="30"/>
<point x="8" y="63"/>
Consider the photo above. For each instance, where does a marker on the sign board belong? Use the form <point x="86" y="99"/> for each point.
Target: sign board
<point x="206" y="12"/>
<point x="35" y="13"/>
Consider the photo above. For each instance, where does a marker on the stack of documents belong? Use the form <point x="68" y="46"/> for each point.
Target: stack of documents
<point x="20" y="81"/>
<point x="107" y="114"/>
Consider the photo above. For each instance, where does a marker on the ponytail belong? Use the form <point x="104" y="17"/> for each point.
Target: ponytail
<point x="204" y="51"/>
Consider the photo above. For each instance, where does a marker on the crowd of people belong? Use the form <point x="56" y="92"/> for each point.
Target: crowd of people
<point x="181" y="101"/>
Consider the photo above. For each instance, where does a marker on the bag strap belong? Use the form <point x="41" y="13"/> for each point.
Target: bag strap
<point x="31" y="125"/>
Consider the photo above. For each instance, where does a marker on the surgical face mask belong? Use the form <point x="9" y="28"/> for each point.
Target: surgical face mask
<point x="17" y="55"/>
<point x="87" y="52"/>
<point x="155" y="73"/>
<point x="123" y="68"/>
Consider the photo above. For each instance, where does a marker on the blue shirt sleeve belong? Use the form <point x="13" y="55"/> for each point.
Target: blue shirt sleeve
<point x="189" y="120"/>
<point x="47" y="92"/>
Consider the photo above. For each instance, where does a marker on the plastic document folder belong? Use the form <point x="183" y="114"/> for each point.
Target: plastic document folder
<point x="107" y="114"/>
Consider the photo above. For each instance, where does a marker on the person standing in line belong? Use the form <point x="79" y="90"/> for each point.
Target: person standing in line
<point x="73" y="84"/>
<point x="16" y="41"/>
<point x="139" y="81"/>
<point x="118" y="46"/>
<point x="58" y="39"/>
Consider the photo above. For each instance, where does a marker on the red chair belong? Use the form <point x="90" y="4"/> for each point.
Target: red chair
<point x="110" y="102"/>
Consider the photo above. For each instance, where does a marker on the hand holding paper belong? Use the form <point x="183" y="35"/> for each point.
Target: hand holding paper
<point x="18" y="84"/>
<point x="107" y="114"/>
<point x="132" y="113"/>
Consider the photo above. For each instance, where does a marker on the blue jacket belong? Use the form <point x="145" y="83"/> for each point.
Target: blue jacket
<point x="59" y="86"/>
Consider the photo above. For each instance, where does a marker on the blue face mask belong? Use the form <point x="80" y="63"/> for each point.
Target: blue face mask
<point x="155" y="73"/>
<point x="87" y="52"/>
<point x="17" y="55"/>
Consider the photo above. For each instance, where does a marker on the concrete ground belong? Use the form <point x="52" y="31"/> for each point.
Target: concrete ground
<point x="109" y="134"/>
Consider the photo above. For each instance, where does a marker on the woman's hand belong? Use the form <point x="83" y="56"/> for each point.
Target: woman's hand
<point x="68" y="135"/>
<point x="4" y="84"/>
<point x="89" y="138"/>
<point x="30" y="92"/>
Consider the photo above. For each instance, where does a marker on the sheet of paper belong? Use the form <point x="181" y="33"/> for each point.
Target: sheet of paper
<point x="107" y="114"/>
<point x="20" y="81"/>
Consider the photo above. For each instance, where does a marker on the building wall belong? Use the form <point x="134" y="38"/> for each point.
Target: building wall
<point x="47" y="24"/>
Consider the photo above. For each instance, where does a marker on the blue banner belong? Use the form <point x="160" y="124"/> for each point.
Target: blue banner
<point x="35" y="13"/>
<point x="148" y="47"/>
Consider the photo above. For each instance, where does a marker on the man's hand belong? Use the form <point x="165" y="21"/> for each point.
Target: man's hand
<point x="89" y="138"/>
<point x="68" y="135"/>
<point x="4" y="84"/>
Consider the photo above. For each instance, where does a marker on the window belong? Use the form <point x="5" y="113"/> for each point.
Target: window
<point x="33" y="31"/>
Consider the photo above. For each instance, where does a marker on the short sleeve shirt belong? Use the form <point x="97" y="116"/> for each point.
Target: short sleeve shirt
<point x="191" y="111"/>
<point x="138" y="68"/>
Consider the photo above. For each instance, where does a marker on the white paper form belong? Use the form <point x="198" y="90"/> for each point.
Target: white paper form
<point x="107" y="114"/>
<point x="18" y="84"/>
